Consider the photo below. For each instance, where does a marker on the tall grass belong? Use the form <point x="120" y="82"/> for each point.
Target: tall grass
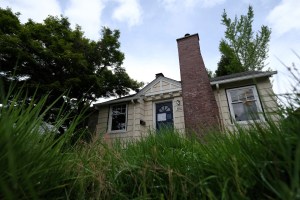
<point x="34" y="164"/>
<point x="260" y="162"/>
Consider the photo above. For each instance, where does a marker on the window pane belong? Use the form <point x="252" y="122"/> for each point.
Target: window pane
<point x="249" y="94"/>
<point x="251" y="109"/>
<point x="245" y="111"/>
<point x="124" y="109"/>
<point x="164" y="109"/>
<point x="234" y="96"/>
<point x="242" y="95"/>
<point x="118" y="116"/>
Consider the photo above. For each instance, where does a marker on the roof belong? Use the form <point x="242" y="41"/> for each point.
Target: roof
<point x="118" y="100"/>
<point x="142" y="91"/>
<point x="138" y="94"/>
<point x="213" y="81"/>
<point x="240" y="76"/>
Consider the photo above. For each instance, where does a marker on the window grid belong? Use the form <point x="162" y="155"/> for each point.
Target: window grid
<point x="118" y="118"/>
<point x="244" y="104"/>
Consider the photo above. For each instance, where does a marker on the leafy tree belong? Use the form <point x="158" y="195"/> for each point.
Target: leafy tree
<point x="210" y="73"/>
<point x="54" y="58"/>
<point x="241" y="50"/>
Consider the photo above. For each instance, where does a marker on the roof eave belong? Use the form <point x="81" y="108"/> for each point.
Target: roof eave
<point x="253" y="76"/>
<point x="115" y="101"/>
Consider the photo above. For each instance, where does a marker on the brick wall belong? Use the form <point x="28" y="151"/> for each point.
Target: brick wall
<point x="199" y="103"/>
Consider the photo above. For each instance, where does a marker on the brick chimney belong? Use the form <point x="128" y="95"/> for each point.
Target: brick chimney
<point x="159" y="74"/>
<point x="199" y="103"/>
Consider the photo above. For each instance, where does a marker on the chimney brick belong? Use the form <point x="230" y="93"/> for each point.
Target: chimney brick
<point x="199" y="103"/>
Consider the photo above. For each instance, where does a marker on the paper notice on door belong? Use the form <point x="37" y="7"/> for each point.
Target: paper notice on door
<point x="161" y="117"/>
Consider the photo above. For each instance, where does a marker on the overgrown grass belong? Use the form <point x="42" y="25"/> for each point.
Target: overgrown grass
<point x="34" y="164"/>
<point x="262" y="162"/>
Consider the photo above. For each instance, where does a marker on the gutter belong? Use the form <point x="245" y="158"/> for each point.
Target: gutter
<point x="116" y="101"/>
<point x="252" y="76"/>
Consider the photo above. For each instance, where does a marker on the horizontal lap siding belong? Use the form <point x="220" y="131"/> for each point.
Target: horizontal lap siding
<point x="178" y="114"/>
<point x="223" y="107"/>
<point x="149" y="114"/>
<point x="139" y="130"/>
<point x="268" y="100"/>
<point x="102" y="120"/>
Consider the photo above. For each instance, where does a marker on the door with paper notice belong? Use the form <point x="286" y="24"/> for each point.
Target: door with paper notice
<point x="164" y="115"/>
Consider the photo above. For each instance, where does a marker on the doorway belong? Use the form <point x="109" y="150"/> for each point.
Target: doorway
<point x="164" y="115"/>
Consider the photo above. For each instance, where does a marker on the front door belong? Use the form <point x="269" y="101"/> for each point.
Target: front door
<point x="164" y="115"/>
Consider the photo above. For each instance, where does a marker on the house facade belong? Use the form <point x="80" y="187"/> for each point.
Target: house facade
<point x="196" y="103"/>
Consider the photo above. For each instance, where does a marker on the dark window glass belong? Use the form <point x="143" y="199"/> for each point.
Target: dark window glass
<point x="118" y="118"/>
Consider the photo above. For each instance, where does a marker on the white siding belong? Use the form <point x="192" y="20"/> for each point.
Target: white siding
<point x="144" y="108"/>
<point x="101" y="127"/>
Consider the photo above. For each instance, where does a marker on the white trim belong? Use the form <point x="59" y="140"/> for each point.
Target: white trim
<point x="134" y="116"/>
<point x="160" y="85"/>
<point x="155" y="81"/>
<point x="163" y="92"/>
<point x="110" y="119"/>
<point x="241" y="78"/>
<point x="117" y="101"/>
<point x="256" y="100"/>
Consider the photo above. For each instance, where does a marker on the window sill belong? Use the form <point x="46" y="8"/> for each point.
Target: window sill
<point x="116" y="132"/>
<point x="248" y="122"/>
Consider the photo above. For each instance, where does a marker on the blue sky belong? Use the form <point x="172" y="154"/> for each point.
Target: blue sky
<point x="149" y="29"/>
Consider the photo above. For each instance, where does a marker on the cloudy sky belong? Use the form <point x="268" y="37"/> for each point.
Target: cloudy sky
<point x="149" y="29"/>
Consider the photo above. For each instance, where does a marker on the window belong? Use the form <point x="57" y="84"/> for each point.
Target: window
<point x="244" y="104"/>
<point x="118" y="118"/>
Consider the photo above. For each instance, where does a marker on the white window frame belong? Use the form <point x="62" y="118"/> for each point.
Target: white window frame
<point x="256" y="100"/>
<point x="110" y="119"/>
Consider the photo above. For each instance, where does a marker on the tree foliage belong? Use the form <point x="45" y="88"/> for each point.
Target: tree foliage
<point x="240" y="49"/>
<point x="53" y="57"/>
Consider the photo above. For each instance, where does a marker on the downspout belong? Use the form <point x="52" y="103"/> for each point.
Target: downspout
<point x="220" y="107"/>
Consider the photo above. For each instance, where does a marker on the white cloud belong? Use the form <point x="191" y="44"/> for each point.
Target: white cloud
<point x="128" y="11"/>
<point x="35" y="9"/>
<point x="86" y="14"/>
<point x="285" y="17"/>
<point x="144" y="69"/>
<point x="175" y="5"/>
<point x="208" y="3"/>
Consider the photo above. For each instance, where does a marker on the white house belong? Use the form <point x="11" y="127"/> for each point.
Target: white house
<point x="195" y="103"/>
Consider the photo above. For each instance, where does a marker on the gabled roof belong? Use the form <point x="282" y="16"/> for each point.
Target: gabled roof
<point x="143" y="91"/>
<point x="155" y="81"/>
<point x="213" y="81"/>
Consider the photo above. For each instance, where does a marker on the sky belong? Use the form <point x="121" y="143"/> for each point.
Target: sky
<point x="149" y="29"/>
